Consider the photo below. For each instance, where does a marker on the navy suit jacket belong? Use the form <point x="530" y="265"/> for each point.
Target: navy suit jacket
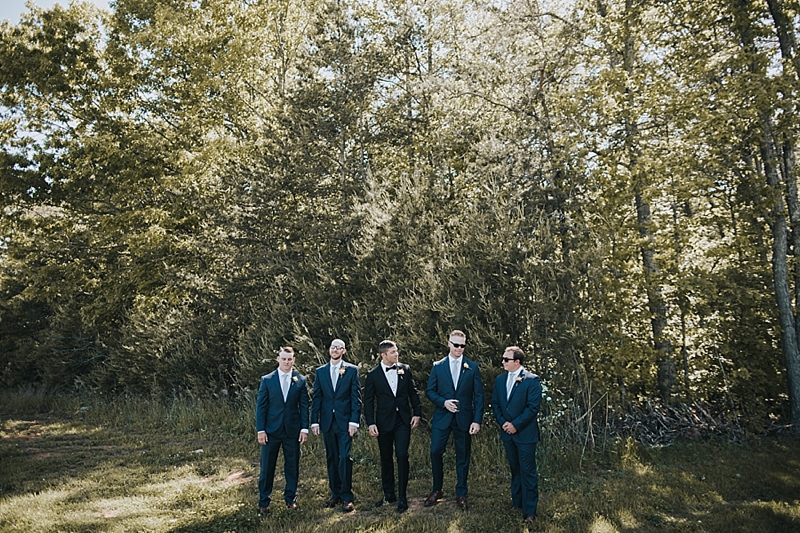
<point x="469" y="394"/>
<point x="389" y="405"/>
<point x="346" y="400"/>
<point x="521" y="408"/>
<point x="273" y="414"/>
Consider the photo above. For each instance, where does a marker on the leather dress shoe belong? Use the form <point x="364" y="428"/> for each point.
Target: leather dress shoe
<point x="292" y="505"/>
<point x="333" y="502"/>
<point x="530" y="518"/>
<point x="391" y="498"/>
<point x="402" y="505"/>
<point x="348" y="507"/>
<point x="433" y="498"/>
<point x="263" y="510"/>
<point x="461" y="501"/>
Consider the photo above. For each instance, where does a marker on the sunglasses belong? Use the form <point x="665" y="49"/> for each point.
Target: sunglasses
<point x="507" y="359"/>
<point x="458" y="345"/>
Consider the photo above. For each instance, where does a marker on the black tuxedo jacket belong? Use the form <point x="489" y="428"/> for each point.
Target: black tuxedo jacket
<point x="381" y="407"/>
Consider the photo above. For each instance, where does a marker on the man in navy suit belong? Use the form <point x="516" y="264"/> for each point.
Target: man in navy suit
<point x="456" y="390"/>
<point x="281" y="421"/>
<point x="515" y="401"/>
<point x="336" y="410"/>
<point x="392" y="409"/>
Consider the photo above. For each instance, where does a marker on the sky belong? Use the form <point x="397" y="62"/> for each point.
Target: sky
<point x="11" y="10"/>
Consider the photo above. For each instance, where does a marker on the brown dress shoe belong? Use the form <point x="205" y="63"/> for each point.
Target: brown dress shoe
<point x="433" y="498"/>
<point x="461" y="501"/>
<point x="530" y="518"/>
<point x="263" y="510"/>
<point x="292" y="505"/>
<point x="333" y="502"/>
<point x="348" y="507"/>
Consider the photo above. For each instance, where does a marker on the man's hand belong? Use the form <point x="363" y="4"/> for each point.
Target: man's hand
<point x="414" y="421"/>
<point x="262" y="437"/>
<point x="315" y="430"/>
<point x="303" y="437"/>
<point x="373" y="430"/>
<point x="451" y="405"/>
<point x="474" y="428"/>
<point x="352" y="430"/>
<point x="509" y="428"/>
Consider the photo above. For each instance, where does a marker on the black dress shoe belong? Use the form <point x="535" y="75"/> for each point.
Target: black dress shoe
<point x="292" y="505"/>
<point x="402" y="505"/>
<point x="530" y="518"/>
<point x="391" y="498"/>
<point x="263" y="510"/>
<point x="461" y="501"/>
<point x="433" y="498"/>
<point x="333" y="502"/>
<point x="348" y="507"/>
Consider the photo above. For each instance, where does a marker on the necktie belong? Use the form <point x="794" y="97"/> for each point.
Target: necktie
<point x="285" y="385"/>
<point x="454" y="371"/>
<point x="334" y="375"/>
<point x="509" y="385"/>
<point x="393" y="367"/>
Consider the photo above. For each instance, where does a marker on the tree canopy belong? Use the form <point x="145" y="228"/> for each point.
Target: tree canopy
<point x="611" y="185"/>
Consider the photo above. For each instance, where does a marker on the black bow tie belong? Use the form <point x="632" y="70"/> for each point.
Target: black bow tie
<point x="393" y="367"/>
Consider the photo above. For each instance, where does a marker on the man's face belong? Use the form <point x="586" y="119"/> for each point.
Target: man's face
<point x="457" y="345"/>
<point x="509" y="363"/>
<point x="389" y="357"/>
<point x="336" y="350"/>
<point x="285" y="361"/>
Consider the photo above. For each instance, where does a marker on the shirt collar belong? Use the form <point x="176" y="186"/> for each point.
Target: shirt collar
<point x="282" y="373"/>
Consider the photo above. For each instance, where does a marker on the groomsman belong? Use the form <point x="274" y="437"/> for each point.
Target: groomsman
<point x="456" y="390"/>
<point x="516" y="400"/>
<point x="336" y="410"/>
<point x="281" y="421"/>
<point x="392" y="409"/>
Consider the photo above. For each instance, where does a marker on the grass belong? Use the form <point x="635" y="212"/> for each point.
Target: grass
<point x="72" y="464"/>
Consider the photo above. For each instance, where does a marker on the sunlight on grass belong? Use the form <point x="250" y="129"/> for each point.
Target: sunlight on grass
<point x="627" y="520"/>
<point x="602" y="525"/>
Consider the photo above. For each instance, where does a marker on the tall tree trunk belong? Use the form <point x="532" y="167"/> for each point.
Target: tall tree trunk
<point x="655" y="299"/>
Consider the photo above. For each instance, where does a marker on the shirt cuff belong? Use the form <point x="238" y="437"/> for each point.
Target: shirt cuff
<point x="314" y="426"/>
<point x="304" y="431"/>
<point x="353" y="424"/>
<point x="262" y="432"/>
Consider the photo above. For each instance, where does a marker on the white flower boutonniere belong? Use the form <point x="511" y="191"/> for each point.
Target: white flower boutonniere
<point x="466" y="366"/>
<point x="294" y="378"/>
<point x="519" y="379"/>
<point x="341" y="370"/>
<point x="400" y="372"/>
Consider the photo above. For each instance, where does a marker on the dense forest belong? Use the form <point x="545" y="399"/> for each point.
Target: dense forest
<point x="609" y="184"/>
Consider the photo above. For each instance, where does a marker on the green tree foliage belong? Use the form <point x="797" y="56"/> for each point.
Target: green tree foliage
<point x="187" y="186"/>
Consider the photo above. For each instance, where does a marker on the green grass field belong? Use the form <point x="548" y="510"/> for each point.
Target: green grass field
<point x="70" y="464"/>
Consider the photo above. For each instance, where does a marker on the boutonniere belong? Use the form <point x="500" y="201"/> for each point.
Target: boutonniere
<point x="341" y="370"/>
<point x="294" y="378"/>
<point x="466" y="366"/>
<point x="400" y="372"/>
<point x="519" y="379"/>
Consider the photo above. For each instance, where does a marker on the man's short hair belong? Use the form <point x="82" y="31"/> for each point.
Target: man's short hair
<point x="458" y="333"/>
<point x="287" y="349"/>
<point x="385" y="346"/>
<point x="517" y="352"/>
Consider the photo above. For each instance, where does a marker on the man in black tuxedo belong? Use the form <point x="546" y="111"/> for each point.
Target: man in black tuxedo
<point x="392" y="409"/>
<point x="281" y="421"/>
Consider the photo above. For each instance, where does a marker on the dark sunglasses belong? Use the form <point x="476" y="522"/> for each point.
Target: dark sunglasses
<point x="458" y="345"/>
<point x="507" y="359"/>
